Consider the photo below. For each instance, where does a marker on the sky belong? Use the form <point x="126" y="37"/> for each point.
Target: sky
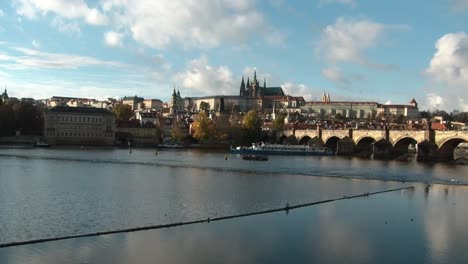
<point x="362" y="50"/>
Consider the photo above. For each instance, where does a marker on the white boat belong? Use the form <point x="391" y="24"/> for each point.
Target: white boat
<point x="277" y="149"/>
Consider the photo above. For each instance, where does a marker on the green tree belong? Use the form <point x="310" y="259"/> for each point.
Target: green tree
<point x="204" y="106"/>
<point x="252" y="125"/>
<point x="203" y="128"/>
<point x="123" y="112"/>
<point x="278" y="123"/>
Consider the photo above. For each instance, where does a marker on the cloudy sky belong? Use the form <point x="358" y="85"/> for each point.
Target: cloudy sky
<point x="385" y="51"/>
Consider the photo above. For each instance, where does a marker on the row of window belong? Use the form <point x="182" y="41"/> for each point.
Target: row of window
<point x="78" y="134"/>
<point x="79" y="127"/>
<point x="80" y="119"/>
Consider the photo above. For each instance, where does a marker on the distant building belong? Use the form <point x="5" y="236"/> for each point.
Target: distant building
<point x="251" y="96"/>
<point x="341" y="109"/>
<point x="4" y="96"/>
<point x="79" y="126"/>
<point x="147" y="118"/>
<point x="358" y="110"/>
<point x="153" y="104"/>
<point x="410" y="111"/>
<point x="134" y="102"/>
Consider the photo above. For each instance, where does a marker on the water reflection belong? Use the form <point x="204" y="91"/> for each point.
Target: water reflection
<point x="51" y="197"/>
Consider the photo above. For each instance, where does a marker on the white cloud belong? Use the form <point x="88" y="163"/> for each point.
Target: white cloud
<point x="352" y="3"/>
<point x="450" y="62"/>
<point x="335" y="74"/>
<point x="35" y="44"/>
<point x="303" y="90"/>
<point x="67" y="27"/>
<point x="1" y="13"/>
<point x="71" y="9"/>
<point x="435" y="101"/>
<point x="201" y="23"/>
<point x="35" y="59"/>
<point x="448" y="72"/>
<point x="348" y="38"/>
<point x="113" y="39"/>
<point x="388" y="102"/>
<point x="203" y="79"/>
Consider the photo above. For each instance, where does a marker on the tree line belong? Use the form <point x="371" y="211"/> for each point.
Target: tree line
<point x="23" y="116"/>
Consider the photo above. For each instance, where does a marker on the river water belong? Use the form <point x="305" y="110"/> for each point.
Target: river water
<point x="64" y="191"/>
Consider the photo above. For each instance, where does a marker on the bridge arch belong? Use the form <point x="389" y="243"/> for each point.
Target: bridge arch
<point x="332" y="143"/>
<point x="281" y="139"/>
<point x="447" y="148"/>
<point x="364" y="146"/>
<point x="304" y="140"/>
<point x="402" y="145"/>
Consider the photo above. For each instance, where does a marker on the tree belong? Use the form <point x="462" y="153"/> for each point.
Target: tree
<point x="203" y="127"/>
<point x="177" y="132"/>
<point x="204" y="106"/>
<point x="252" y="125"/>
<point x="123" y="112"/>
<point x="278" y="123"/>
<point x="222" y="127"/>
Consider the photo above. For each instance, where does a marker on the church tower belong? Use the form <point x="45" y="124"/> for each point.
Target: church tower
<point x="173" y="109"/>
<point x="5" y="95"/>
<point x="242" y="87"/>
<point x="255" y="85"/>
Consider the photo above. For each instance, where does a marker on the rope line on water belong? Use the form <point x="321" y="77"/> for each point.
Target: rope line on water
<point x="287" y="208"/>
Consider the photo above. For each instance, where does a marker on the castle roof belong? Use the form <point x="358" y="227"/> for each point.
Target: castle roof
<point x="270" y="91"/>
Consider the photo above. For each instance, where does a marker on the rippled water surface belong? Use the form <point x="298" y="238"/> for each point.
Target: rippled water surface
<point x="58" y="192"/>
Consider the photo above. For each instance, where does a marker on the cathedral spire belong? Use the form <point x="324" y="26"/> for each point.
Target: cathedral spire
<point x="242" y="87"/>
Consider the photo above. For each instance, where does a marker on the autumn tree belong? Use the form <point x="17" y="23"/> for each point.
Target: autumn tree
<point x="204" y="127"/>
<point x="123" y="112"/>
<point x="252" y="125"/>
<point x="177" y="132"/>
<point x="222" y="127"/>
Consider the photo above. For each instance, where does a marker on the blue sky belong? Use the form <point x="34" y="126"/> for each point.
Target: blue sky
<point x="384" y="51"/>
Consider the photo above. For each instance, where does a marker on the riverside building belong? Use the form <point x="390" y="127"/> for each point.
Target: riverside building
<point x="79" y="126"/>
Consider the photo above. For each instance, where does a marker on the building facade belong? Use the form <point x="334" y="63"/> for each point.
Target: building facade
<point x="79" y="126"/>
<point x="409" y="111"/>
<point x="358" y="110"/>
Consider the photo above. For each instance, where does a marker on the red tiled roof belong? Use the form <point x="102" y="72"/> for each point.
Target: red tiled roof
<point x="438" y="126"/>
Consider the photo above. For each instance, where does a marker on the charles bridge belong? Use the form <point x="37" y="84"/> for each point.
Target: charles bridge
<point x="384" y="143"/>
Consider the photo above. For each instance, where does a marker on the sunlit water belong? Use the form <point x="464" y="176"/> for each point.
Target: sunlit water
<point x="57" y="192"/>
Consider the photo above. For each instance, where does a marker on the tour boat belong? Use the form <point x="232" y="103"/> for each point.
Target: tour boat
<point x="277" y="149"/>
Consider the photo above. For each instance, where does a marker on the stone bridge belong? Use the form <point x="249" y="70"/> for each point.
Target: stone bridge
<point x="430" y="144"/>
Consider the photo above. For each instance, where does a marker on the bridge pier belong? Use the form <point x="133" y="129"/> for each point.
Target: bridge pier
<point x="345" y="147"/>
<point x="427" y="151"/>
<point x="382" y="149"/>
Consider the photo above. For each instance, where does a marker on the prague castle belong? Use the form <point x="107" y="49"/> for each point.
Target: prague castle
<point x="251" y="96"/>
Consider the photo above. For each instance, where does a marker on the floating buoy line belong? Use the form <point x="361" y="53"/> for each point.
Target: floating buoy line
<point x="286" y="208"/>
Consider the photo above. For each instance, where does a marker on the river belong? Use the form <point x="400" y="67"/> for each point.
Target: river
<point x="66" y="191"/>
